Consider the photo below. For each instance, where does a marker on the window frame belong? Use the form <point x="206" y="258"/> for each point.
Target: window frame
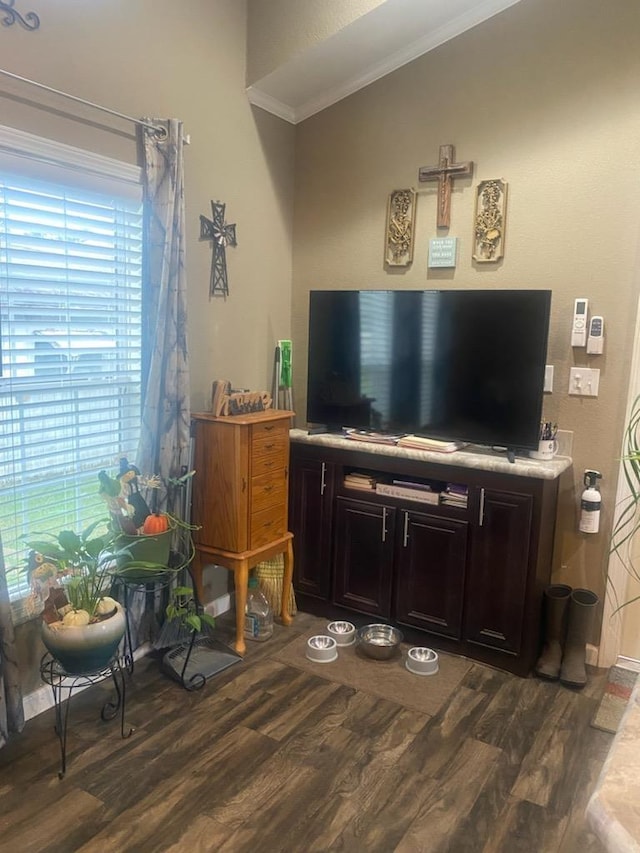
<point x="38" y="159"/>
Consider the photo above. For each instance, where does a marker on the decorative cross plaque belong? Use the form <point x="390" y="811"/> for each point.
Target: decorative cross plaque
<point x="444" y="173"/>
<point x="223" y="235"/>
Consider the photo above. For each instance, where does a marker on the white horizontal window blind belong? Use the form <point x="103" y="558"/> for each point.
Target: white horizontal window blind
<point x="70" y="332"/>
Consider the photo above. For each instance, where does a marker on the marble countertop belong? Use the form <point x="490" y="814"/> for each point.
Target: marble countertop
<point x="613" y="811"/>
<point x="471" y="456"/>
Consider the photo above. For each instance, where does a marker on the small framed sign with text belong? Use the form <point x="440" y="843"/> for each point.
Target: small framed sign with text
<point x="442" y="251"/>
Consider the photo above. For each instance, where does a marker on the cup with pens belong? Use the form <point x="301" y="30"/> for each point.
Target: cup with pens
<point x="547" y="443"/>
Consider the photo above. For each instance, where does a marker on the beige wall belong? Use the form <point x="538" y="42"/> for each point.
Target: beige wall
<point x="186" y="60"/>
<point x="543" y="95"/>
<point x="279" y="30"/>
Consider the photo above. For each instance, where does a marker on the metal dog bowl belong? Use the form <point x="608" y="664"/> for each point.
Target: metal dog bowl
<point x="380" y="642"/>
<point x="344" y="633"/>
<point x="422" y="661"/>
<point x="321" y="649"/>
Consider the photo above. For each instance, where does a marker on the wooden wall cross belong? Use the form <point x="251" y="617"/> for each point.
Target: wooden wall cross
<point x="444" y="173"/>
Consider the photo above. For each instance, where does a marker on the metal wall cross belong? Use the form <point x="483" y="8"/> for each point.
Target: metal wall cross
<point x="444" y="173"/>
<point x="223" y="235"/>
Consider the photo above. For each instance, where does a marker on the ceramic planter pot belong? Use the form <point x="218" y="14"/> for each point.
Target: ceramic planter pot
<point x="144" y="548"/>
<point x="85" y="648"/>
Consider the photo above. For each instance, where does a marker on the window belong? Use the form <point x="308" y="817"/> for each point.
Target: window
<point x="70" y="334"/>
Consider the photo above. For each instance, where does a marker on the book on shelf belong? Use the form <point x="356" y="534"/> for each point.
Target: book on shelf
<point x="455" y="494"/>
<point x="393" y="491"/>
<point x="450" y="500"/>
<point x="409" y="484"/>
<point x="418" y="442"/>
<point x="356" y="480"/>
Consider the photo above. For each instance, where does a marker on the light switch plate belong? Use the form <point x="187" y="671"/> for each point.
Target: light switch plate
<point x="584" y="381"/>
<point x="548" y="378"/>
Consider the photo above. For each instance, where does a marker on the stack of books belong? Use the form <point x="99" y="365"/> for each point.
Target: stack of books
<point x="356" y="480"/>
<point x="455" y="495"/>
<point x="367" y="435"/>
<point x="418" y="442"/>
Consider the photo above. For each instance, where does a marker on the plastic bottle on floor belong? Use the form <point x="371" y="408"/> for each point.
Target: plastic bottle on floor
<point x="258" y="616"/>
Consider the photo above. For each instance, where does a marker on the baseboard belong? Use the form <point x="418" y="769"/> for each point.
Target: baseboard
<point x="628" y="663"/>
<point x="592" y="655"/>
<point x="42" y="699"/>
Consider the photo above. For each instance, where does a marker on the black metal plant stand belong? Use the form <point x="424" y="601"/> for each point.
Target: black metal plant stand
<point x="148" y="584"/>
<point x="200" y="658"/>
<point x="54" y="674"/>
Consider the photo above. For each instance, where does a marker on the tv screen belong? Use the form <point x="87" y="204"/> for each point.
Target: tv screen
<point x="463" y="365"/>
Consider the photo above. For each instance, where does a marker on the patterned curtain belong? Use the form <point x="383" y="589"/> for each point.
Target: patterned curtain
<point x="164" y="442"/>
<point x="11" y="710"/>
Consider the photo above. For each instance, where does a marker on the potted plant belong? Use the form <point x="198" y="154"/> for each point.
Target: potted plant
<point x="627" y="519"/>
<point x="148" y="544"/>
<point x="186" y="620"/>
<point x="72" y="573"/>
<point x="82" y="625"/>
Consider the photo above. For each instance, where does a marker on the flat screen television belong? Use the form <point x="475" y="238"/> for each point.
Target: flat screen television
<point x="463" y="365"/>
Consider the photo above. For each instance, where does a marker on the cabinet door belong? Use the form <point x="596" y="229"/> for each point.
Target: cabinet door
<point x="310" y="505"/>
<point x="363" y="556"/>
<point x="431" y="564"/>
<point x="497" y="580"/>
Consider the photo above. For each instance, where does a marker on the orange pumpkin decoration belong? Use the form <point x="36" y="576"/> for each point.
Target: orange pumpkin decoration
<point x="155" y="523"/>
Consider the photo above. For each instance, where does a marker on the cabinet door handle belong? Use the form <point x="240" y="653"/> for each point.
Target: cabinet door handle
<point x="405" y="535"/>
<point x="268" y="428"/>
<point x="270" y="445"/>
<point x="384" y="524"/>
<point x="481" y="511"/>
<point x="244" y="485"/>
<point x="323" y="484"/>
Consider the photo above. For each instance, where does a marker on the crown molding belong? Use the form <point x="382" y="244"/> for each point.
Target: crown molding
<point x="426" y="43"/>
<point x="272" y="105"/>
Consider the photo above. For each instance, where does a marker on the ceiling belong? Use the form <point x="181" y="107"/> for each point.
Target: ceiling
<point x="392" y="34"/>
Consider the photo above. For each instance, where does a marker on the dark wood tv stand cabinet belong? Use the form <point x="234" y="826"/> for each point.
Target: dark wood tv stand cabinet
<point x="465" y="579"/>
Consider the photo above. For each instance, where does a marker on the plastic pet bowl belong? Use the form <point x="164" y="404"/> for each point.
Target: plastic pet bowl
<point x="379" y="641"/>
<point x="344" y="633"/>
<point x="322" y="649"/>
<point x="422" y="661"/>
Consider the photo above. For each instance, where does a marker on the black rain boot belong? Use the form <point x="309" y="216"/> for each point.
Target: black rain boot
<point x="556" y="604"/>
<point x="581" y="611"/>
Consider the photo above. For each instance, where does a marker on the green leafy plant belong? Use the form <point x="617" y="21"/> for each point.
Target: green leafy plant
<point x="183" y="609"/>
<point x="79" y="563"/>
<point x="627" y="523"/>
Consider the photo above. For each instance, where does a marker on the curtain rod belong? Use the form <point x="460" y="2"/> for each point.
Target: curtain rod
<point x="158" y="128"/>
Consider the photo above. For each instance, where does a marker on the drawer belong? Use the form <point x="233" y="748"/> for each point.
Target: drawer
<point x="268" y="490"/>
<point x="270" y="460"/>
<point x="267" y="525"/>
<point x="265" y="441"/>
<point x="265" y="431"/>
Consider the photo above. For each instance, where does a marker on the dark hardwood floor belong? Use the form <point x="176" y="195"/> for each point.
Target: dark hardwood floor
<point x="268" y="758"/>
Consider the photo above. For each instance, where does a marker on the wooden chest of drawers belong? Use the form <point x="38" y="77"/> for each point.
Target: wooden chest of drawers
<point x="240" y="489"/>
<point x="240" y="497"/>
